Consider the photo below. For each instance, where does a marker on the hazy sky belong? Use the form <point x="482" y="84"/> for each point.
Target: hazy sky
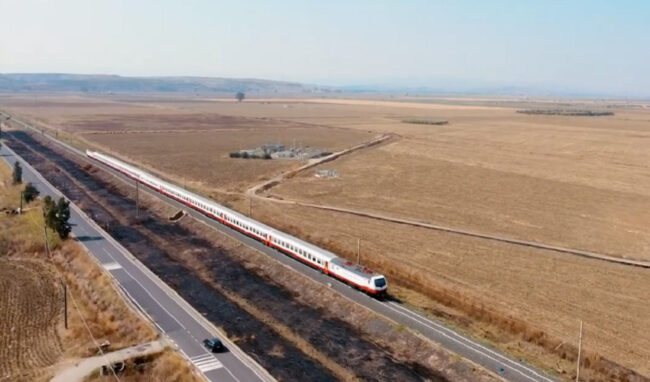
<point x="590" y="46"/>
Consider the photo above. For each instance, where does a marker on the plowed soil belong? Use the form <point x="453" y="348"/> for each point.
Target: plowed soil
<point x="31" y="306"/>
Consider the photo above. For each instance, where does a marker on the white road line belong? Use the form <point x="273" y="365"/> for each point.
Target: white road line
<point x="442" y="330"/>
<point x="149" y="293"/>
<point x="112" y="266"/>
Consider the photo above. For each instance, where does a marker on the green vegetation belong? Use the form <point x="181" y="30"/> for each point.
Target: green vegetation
<point x="57" y="215"/>
<point x="240" y="96"/>
<point x="246" y="155"/>
<point x="426" y="121"/>
<point x="30" y="192"/>
<point x="17" y="174"/>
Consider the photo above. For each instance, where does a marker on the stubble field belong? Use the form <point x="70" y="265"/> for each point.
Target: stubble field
<point x="572" y="181"/>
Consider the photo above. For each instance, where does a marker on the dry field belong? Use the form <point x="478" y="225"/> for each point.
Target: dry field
<point x="175" y="154"/>
<point x="31" y="301"/>
<point x="166" y="136"/>
<point x="579" y="182"/>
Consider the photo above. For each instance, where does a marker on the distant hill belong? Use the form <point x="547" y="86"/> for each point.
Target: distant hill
<point x="55" y="82"/>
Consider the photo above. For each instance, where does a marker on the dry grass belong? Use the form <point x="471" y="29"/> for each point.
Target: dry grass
<point x="174" y="154"/>
<point x="34" y="338"/>
<point x="552" y="291"/>
<point x="167" y="366"/>
<point x="103" y="308"/>
<point x="578" y="182"/>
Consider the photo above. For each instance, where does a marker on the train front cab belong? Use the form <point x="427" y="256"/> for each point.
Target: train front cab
<point x="380" y="287"/>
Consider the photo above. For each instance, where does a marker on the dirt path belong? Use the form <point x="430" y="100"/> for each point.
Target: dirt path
<point x="266" y="185"/>
<point x="80" y="370"/>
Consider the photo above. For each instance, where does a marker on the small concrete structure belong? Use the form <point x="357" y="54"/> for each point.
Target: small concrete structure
<point x="324" y="173"/>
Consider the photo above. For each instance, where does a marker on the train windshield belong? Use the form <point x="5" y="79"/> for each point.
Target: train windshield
<point x="380" y="282"/>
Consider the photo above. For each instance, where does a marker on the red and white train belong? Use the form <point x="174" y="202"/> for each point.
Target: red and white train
<point x="355" y="275"/>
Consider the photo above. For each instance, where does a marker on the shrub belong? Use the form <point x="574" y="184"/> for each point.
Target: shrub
<point x="30" y="193"/>
<point x="17" y="174"/>
<point x="57" y="215"/>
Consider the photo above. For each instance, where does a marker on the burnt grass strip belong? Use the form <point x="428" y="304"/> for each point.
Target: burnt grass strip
<point x="338" y="340"/>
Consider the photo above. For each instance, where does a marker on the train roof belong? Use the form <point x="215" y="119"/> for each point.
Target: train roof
<point x="355" y="268"/>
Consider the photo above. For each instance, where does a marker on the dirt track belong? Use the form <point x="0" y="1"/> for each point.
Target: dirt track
<point x="171" y="250"/>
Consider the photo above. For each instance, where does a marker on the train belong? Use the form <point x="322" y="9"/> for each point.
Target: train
<point x="355" y="275"/>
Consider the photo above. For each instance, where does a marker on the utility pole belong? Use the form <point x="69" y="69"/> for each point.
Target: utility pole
<point x="250" y="206"/>
<point x="65" y="303"/>
<point x="47" y="244"/>
<point x="579" y="351"/>
<point x="21" y="201"/>
<point x="137" y="199"/>
<point x="358" y="251"/>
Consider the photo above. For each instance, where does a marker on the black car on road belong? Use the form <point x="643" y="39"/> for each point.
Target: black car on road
<point x="214" y="345"/>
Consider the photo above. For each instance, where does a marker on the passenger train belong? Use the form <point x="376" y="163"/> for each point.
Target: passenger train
<point x="353" y="274"/>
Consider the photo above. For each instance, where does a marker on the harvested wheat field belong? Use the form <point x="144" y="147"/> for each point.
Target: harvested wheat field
<point x="175" y="154"/>
<point x="578" y="182"/>
<point x="32" y="304"/>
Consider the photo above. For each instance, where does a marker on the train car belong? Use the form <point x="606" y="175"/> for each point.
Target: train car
<point x="354" y="275"/>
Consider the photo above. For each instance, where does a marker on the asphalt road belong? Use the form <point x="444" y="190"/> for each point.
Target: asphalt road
<point x="491" y="359"/>
<point x="173" y="316"/>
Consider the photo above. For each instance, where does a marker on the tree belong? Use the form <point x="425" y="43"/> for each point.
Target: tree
<point x="57" y="215"/>
<point x="240" y="96"/>
<point x="18" y="173"/>
<point x="30" y="193"/>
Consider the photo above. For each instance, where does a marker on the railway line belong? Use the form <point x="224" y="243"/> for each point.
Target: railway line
<point x="499" y="363"/>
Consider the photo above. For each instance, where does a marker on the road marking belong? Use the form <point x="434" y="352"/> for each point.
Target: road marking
<point x="442" y="330"/>
<point x="112" y="266"/>
<point x="149" y="293"/>
<point x="206" y="362"/>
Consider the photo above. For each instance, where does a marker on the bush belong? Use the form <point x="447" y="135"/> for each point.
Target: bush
<point x="18" y="173"/>
<point x="426" y="121"/>
<point x="235" y="154"/>
<point x="30" y="193"/>
<point x="57" y="215"/>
